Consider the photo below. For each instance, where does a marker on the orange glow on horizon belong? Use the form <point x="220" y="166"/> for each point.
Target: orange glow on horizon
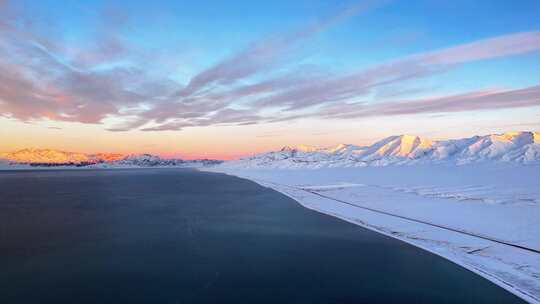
<point x="232" y="142"/>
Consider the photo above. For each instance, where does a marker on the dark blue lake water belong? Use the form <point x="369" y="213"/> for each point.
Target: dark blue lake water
<point x="182" y="236"/>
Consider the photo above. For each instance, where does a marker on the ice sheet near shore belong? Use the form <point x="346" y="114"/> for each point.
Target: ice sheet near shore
<point x="464" y="213"/>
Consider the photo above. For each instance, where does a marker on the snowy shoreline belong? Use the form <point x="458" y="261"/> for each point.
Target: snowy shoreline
<point x="483" y="217"/>
<point x="500" y="202"/>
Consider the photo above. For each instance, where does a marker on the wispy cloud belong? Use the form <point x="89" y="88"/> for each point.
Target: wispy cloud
<point x="470" y="101"/>
<point x="263" y="54"/>
<point x="507" y="45"/>
<point x="209" y="95"/>
<point x="295" y="94"/>
<point x="43" y="77"/>
<point x="107" y="44"/>
<point x="361" y="83"/>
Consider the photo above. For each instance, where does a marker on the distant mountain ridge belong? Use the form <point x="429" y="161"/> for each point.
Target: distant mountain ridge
<point x="518" y="147"/>
<point x="44" y="156"/>
<point x="51" y="157"/>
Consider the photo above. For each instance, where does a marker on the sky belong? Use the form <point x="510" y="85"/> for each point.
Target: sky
<point x="225" y="79"/>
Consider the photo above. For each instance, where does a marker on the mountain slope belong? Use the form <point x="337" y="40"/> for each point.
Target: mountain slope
<point x="29" y="156"/>
<point x="520" y="147"/>
<point x="49" y="157"/>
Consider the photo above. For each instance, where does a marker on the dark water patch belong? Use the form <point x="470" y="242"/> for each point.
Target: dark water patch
<point x="182" y="236"/>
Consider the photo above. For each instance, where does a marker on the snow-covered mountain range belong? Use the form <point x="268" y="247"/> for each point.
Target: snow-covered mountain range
<point x="520" y="147"/>
<point x="149" y="160"/>
<point x="49" y="158"/>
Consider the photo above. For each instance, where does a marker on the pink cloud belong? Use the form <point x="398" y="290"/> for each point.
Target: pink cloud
<point x="470" y="101"/>
<point x="40" y="77"/>
<point x="507" y="45"/>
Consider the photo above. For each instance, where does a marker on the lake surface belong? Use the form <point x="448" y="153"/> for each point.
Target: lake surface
<point x="183" y="236"/>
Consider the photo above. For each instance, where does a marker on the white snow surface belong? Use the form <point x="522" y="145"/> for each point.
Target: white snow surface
<point x="479" y="207"/>
<point x="518" y="147"/>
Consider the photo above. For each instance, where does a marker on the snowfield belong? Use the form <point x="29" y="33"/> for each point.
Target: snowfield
<point x="474" y="201"/>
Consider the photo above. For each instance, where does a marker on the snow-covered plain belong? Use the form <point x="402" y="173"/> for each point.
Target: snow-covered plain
<point x="474" y="201"/>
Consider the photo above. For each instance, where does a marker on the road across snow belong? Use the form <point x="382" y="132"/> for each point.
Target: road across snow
<point x="484" y="217"/>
